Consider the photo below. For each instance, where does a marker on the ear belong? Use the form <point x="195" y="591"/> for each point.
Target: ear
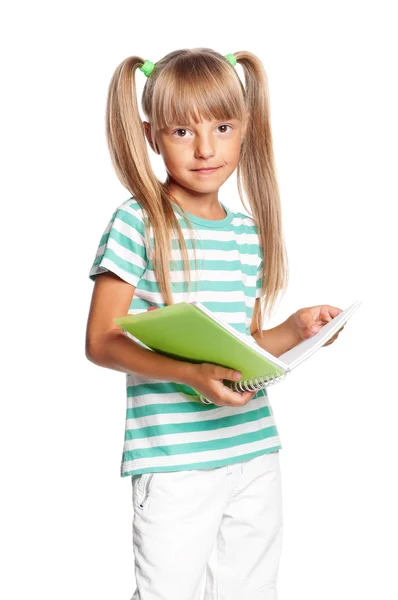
<point x="148" y="135"/>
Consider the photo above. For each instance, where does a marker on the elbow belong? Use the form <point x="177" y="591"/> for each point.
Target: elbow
<point x="92" y="349"/>
<point x="93" y="344"/>
<point x="96" y="345"/>
<point x="90" y="352"/>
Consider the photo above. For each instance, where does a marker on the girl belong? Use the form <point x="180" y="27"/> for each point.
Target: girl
<point x="205" y="476"/>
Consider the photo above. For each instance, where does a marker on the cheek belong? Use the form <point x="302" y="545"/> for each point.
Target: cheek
<point x="178" y="159"/>
<point x="174" y="163"/>
<point x="232" y="152"/>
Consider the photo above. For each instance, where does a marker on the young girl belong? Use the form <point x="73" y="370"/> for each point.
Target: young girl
<point x="205" y="473"/>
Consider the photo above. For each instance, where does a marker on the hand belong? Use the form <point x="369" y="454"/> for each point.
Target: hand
<point x="306" y="322"/>
<point x="207" y="379"/>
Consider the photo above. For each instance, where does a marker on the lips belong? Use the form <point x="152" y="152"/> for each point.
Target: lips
<point x="206" y="169"/>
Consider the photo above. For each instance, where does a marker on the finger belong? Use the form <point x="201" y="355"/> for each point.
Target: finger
<point x="307" y="321"/>
<point x="237" y="398"/>
<point x="228" y="374"/>
<point x="229" y="396"/>
<point x="232" y="396"/>
<point x="332" y="339"/>
<point x="327" y="312"/>
<point x="325" y="315"/>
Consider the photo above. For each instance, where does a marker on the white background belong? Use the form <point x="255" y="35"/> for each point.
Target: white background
<point x="66" y="512"/>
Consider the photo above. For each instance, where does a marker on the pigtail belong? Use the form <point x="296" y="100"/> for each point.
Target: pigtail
<point x="130" y="158"/>
<point x="256" y="173"/>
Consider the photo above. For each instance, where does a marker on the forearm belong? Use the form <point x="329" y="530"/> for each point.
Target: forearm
<point x="277" y="340"/>
<point x="119" y="352"/>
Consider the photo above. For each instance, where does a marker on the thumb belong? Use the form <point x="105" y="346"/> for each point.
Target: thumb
<point x="230" y="374"/>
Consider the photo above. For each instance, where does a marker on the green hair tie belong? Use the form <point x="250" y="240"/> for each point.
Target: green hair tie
<point x="147" y="68"/>
<point x="231" y="59"/>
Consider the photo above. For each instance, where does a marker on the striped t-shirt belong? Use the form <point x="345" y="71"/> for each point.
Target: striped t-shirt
<point x="165" y="430"/>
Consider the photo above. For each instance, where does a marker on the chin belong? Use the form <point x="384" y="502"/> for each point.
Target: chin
<point x="205" y="187"/>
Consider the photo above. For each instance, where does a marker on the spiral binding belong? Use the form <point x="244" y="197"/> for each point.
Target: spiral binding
<point x="205" y="400"/>
<point x="248" y="385"/>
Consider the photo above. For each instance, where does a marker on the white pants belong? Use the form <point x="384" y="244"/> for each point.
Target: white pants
<point x="217" y="531"/>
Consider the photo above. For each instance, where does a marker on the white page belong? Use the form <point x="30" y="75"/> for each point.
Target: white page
<point x="306" y="348"/>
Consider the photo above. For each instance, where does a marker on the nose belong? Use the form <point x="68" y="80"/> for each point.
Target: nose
<point x="205" y="147"/>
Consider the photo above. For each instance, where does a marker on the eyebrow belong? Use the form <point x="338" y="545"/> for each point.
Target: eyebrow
<point x="213" y="121"/>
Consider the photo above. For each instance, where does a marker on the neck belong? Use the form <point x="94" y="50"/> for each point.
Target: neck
<point x="204" y="205"/>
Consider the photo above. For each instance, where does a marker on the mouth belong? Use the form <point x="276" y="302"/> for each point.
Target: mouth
<point x="205" y="171"/>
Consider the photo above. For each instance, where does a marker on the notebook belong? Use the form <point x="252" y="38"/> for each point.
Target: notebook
<point x="189" y="331"/>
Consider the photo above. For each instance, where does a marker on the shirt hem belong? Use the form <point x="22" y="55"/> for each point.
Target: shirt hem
<point x="200" y="465"/>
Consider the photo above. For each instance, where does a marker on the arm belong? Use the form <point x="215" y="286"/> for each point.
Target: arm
<point x="277" y="340"/>
<point x="301" y="325"/>
<point x="108" y="346"/>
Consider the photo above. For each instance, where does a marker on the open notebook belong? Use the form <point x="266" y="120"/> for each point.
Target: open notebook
<point x="189" y="331"/>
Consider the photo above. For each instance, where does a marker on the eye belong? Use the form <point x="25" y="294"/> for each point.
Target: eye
<point x="181" y="129"/>
<point x="224" y="126"/>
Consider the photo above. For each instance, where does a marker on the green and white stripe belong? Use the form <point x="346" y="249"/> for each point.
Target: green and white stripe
<point x="165" y="430"/>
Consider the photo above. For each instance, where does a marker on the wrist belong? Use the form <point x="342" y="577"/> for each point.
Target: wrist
<point x="186" y="373"/>
<point x="292" y="334"/>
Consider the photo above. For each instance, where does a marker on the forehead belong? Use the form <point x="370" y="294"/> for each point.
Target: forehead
<point x="202" y="123"/>
<point x="196" y="102"/>
<point x="193" y="115"/>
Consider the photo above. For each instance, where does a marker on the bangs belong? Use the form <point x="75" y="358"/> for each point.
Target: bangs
<point x="194" y="90"/>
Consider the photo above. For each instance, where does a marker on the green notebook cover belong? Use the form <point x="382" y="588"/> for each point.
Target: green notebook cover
<point x="183" y="332"/>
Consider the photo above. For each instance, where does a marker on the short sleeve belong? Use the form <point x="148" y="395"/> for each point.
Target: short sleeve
<point x="122" y="247"/>
<point x="259" y="278"/>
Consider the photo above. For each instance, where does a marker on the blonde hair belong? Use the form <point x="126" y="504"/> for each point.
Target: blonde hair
<point x="183" y="85"/>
